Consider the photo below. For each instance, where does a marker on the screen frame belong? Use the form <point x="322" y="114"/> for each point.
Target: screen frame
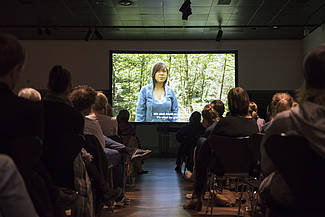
<point x="111" y="52"/>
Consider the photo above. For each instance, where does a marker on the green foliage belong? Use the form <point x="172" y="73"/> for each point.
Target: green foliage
<point x="197" y="79"/>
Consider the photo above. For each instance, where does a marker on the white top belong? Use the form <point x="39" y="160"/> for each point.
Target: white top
<point x="108" y="124"/>
<point x="92" y="127"/>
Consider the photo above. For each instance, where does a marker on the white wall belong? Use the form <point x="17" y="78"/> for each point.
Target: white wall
<point x="315" y="38"/>
<point x="263" y="64"/>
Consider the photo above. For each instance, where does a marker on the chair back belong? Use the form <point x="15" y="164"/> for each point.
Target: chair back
<point x="302" y="169"/>
<point x="236" y="156"/>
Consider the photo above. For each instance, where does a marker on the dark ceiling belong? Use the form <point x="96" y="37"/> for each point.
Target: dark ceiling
<point x="161" y="19"/>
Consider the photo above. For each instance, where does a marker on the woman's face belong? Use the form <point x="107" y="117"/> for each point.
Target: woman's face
<point x="161" y="75"/>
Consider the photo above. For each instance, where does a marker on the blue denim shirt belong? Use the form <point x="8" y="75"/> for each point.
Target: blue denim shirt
<point x="148" y="106"/>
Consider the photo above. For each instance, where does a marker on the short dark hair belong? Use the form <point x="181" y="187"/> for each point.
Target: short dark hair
<point x="123" y="116"/>
<point x="59" y="79"/>
<point x="238" y="101"/>
<point x="156" y="69"/>
<point x="83" y="97"/>
<point x="218" y="106"/>
<point x="12" y="53"/>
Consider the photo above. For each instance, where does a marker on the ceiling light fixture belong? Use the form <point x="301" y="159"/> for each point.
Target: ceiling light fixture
<point x="39" y="31"/>
<point x="98" y="34"/>
<point x="47" y="31"/>
<point x="219" y="35"/>
<point x="126" y="2"/>
<point x="89" y="35"/>
<point x="186" y="9"/>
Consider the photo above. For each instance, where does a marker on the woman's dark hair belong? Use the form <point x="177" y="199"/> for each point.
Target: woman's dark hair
<point x="123" y="116"/>
<point x="195" y="118"/>
<point x="59" y="79"/>
<point x="156" y="69"/>
<point x="209" y="114"/>
<point x="12" y="53"/>
<point x="238" y="101"/>
<point x="252" y="110"/>
<point x="218" y="106"/>
<point x="83" y="97"/>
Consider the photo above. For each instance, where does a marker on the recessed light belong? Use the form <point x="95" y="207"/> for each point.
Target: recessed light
<point x="126" y="2"/>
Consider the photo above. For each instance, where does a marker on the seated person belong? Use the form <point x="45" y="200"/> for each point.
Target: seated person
<point x="63" y="141"/>
<point x="22" y="120"/>
<point x="187" y="136"/>
<point x="305" y="119"/>
<point x="280" y="102"/>
<point x="129" y="138"/>
<point x="102" y="112"/>
<point x="252" y="110"/>
<point x="238" y="124"/>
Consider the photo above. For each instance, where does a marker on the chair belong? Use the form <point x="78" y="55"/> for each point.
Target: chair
<point x="236" y="157"/>
<point x="302" y="169"/>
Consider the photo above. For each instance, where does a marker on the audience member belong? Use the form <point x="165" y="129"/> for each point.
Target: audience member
<point x="306" y="119"/>
<point x="209" y="116"/>
<point x="237" y="124"/>
<point x="64" y="140"/>
<point x="187" y="136"/>
<point x="219" y="107"/>
<point x="21" y="123"/>
<point x="101" y="111"/>
<point x="129" y="138"/>
<point x="252" y="110"/>
<point x="30" y="93"/>
<point x="280" y="102"/>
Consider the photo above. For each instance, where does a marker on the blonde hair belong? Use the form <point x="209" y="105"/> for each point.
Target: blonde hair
<point x="30" y="94"/>
<point x="280" y="102"/>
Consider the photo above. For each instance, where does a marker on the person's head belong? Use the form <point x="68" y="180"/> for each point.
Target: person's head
<point x="195" y="118"/>
<point x="218" y="106"/>
<point x="123" y="116"/>
<point x="209" y="115"/>
<point x="252" y="110"/>
<point x="100" y="105"/>
<point x="82" y="98"/>
<point x="59" y="80"/>
<point x="159" y="73"/>
<point x="280" y="102"/>
<point x="30" y="94"/>
<point x="12" y="60"/>
<point x="313" y="89"/>
<point x="238" y="101"/>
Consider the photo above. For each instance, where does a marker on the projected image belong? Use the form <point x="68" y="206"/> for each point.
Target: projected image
<point x="168" y="87"/>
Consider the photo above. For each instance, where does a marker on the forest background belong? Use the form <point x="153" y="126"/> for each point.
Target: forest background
<point x="197" y="79"/>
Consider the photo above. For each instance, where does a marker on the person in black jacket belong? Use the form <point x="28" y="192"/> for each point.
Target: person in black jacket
<point x="238" y="124"/>
<point x="21" y="126"/>
<point x="187" y="137"/>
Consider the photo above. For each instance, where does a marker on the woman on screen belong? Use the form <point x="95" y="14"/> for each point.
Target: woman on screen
<point x="157" y="102"/>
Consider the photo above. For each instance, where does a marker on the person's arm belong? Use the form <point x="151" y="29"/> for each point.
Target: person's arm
<point x="174" y="106"/>
<point x="14" y="198"/>
<point x="141" y="107"/>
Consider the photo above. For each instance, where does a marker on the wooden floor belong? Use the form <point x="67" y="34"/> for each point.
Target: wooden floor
<point x="160" y="193"/>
